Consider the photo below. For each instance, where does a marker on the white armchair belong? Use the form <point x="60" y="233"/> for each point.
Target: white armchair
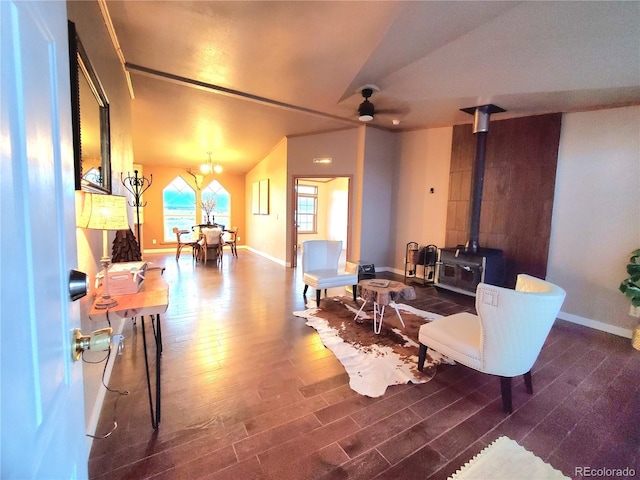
<point x="320" y="267"/>
<point x="506" y="335"/>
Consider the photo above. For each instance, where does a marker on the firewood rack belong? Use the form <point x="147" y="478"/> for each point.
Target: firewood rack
<point x="425" y="258"/>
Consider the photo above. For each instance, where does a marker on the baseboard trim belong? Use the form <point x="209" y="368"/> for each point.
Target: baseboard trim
<point x="265" y="255"/>
<point x="160" y="250"/>
<point x="596" y="324"/>
<point x="569" y="317"/>
<point x="173" y="250"/>
<point x="92" y="422"/>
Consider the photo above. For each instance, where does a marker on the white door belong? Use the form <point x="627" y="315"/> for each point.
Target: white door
<point x="42" y="409"/>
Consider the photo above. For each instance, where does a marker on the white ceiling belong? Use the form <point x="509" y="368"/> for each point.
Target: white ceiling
<point x="233" y="78"/>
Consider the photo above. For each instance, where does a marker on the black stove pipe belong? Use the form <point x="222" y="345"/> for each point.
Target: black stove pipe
<point x="481" y="116"/>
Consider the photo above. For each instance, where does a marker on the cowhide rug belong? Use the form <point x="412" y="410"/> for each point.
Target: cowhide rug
<point x="372" y="361"/>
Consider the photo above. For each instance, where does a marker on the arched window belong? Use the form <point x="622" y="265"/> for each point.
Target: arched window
<point x="178" y="207"/>
<point x="215" y="193"/>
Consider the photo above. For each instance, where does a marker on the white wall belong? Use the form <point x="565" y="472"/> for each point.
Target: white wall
<point x="340" y="146"/>
<point x="596" y="215"/>
<point x="337" y="191"/>
<point x="379" y="157"/>
<point x="420" y="216"/>
<point x="265" y="233"/>
<point x="95" y="39"/>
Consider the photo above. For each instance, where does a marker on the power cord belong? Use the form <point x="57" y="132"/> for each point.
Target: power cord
<point x="120" y="393"/>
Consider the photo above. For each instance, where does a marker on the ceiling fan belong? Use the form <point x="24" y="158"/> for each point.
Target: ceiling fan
<point x="366" y="110"/>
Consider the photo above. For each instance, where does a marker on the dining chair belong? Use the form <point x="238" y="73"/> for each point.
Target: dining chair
<point x="192" y="242"/>
<point x="210" y="243"/>
<point x="506" y="335"/>
<point x="229" y="238"/>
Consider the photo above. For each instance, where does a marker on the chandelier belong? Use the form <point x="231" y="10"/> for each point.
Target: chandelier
<point x="210" y="167"/>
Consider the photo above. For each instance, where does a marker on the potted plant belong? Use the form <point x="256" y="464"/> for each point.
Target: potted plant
<point x="630" y="286"/>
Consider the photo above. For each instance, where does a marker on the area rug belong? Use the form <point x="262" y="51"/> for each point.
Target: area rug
<point x="372" y="361"/>
<point x="505" y="459"/>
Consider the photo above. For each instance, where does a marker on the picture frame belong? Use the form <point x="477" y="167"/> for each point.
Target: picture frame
<point x="255" y="198"/>
<point x="90" y="121"/>
<point x="264" y="197"/>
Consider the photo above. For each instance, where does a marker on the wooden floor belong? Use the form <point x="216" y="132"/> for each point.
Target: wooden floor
<point x="249" y="392"/>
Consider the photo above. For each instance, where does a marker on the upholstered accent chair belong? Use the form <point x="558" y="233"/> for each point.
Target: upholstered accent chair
<point x="504" y="338"/>
<point x="185" y="239"/>
<point x="320" y="260"/>
<point x="210" y="243"/>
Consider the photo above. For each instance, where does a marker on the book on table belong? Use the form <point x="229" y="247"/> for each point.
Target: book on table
<point x="379" y="283"/>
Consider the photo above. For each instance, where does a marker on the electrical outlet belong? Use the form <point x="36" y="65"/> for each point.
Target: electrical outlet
<point x="634" y="311"/>
<point x="153" y="241"/>
<point x="238" y="239"/>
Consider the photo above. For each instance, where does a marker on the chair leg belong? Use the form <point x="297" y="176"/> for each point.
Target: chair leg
<point x="304" y="292"/>
<point x="505" y="388"/>
<point x="527" y="382"/>
<point x="355" y="293"/>
<point x="318" y="297"/>
<point x="178" y="251"/>
<point x="422" y="356"/>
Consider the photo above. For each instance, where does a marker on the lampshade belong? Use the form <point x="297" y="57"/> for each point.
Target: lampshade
<point x="102" y="212"/>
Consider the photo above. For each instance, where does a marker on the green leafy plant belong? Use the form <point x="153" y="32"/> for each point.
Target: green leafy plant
<point x="630" y="286"/>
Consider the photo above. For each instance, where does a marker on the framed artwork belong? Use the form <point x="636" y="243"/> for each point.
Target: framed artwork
<point x="264" y="197"/>
<point x="89" y="121"/>
<point x="255" y="198"/>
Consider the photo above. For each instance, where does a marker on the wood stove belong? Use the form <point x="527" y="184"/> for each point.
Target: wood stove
<point x="461" y="268"/>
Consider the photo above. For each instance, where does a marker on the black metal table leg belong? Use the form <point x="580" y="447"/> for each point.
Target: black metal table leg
<point x="155" y="415"/>
<point x="158" y="357"/>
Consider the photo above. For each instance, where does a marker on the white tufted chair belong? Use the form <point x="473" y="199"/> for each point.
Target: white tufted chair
<point x="505" y="337"/>
<point x="320" y="267"/>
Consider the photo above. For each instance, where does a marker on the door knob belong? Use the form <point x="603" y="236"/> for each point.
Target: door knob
<point x="98" y="340"/>
<point x="78" y="284"/>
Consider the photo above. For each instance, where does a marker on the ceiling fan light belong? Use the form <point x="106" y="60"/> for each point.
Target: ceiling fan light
<point x="366" y="111"/>
<point x="217" y="168"/>
<point x="205" y="168"/>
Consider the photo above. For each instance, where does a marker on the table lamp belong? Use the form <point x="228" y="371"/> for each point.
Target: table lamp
<point x="104" y="212"/>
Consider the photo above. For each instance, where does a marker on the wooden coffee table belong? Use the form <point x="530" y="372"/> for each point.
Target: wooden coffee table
<point x="382" y="293"/>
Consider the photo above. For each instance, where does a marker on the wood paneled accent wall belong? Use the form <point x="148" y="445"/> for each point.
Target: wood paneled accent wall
<point x="519" y="183"/>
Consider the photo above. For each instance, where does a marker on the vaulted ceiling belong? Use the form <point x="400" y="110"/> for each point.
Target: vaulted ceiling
<point x="233" y="78"/>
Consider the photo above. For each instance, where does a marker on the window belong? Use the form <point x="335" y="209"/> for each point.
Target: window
<point x="222" y="209"/>
<point x="307" y="209"/>
<point x="178" y="208"/>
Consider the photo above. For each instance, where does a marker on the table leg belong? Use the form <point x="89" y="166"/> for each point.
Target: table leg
<point x="158" y="358"/>
<point x="377" y="326"/>
<point x="155" y="416"/>
<point x="395" y="306"/>
<point x="146" y="364"/>
<point x="358" y="314"/>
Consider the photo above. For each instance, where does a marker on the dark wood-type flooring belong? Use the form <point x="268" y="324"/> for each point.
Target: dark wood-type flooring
<point x="249" y="392"/>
